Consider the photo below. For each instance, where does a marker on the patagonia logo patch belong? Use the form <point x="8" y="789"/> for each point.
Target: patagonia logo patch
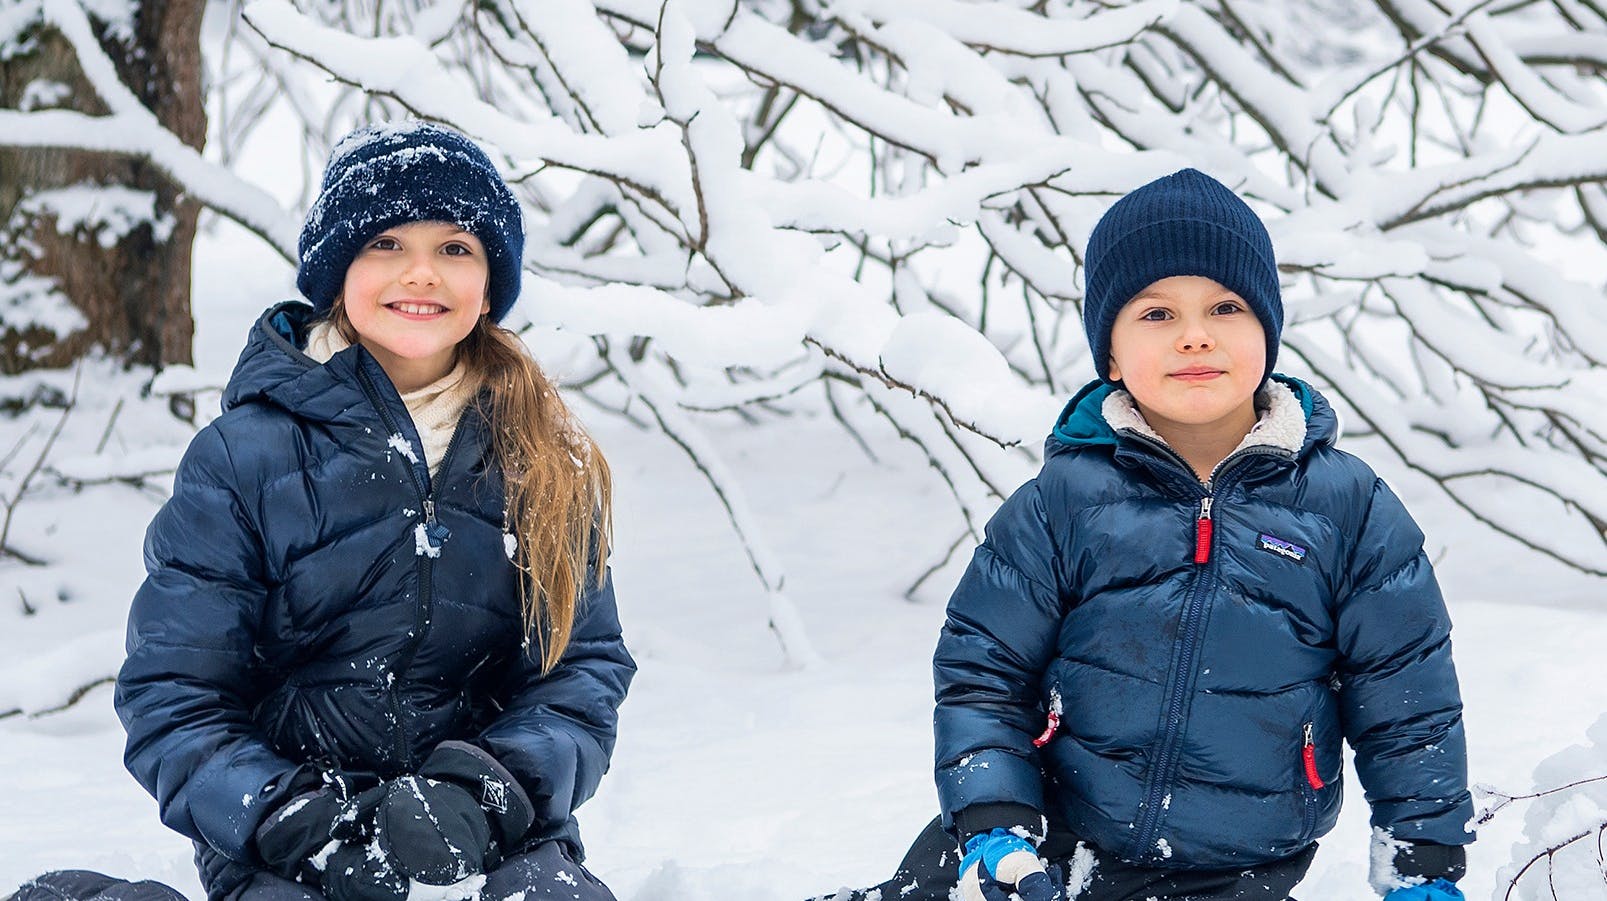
<point x="1280" y="547"/>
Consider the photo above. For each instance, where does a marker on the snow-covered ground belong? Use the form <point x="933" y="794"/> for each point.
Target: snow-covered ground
<point x="735" y="777"/>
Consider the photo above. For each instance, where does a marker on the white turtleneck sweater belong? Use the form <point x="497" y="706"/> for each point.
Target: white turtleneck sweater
<point x="435" y="408"/>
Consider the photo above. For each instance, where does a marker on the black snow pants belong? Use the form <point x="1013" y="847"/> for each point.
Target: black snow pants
<point x="929" y="871"/>
<point x="539" y="874"/>
<point x="543" y="873"/>
<point x="86" y="885"/>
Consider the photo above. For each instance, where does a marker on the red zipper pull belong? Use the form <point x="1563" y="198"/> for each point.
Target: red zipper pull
<point x="1052" y="725"/>
<point x="1308" y="754"/>
<point x="1202" y="532"/>
<point x="1051" y="720"/>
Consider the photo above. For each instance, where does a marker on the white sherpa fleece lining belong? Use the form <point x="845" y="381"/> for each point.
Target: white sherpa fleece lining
<point x="1281" y="424"/>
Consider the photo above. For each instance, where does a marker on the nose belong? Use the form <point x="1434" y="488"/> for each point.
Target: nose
<point x="1195" y="337"/>
<point x="420" y="271"/>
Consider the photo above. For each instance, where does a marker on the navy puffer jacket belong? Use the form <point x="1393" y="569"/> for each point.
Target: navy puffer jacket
<point x="315" y="598"/>
<point x="1204" y="668"/>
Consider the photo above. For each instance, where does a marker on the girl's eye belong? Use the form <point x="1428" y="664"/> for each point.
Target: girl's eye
<point x="457" y="250"/>
<point x="1156" y="315"/>
<point x="384" y="244"/>
<point x="1228" y="306"/>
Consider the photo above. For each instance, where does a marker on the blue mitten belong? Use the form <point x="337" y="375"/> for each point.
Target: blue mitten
<point x="1438" y="890"/>
<point x="1000" y="862"/>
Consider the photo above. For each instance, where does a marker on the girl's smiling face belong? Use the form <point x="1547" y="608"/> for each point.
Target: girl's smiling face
<point x="1192" y="354"/>
<point x="412" y="293"/>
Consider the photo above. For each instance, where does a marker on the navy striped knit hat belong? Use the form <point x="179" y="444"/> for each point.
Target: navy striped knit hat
<point x="391" y="173"/>
<point x="1186" y="223"/>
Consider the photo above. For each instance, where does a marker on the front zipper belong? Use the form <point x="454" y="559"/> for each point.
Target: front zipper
<point x="1166" y="759"/>
<point x="435" y="533"/>
<point x="1177" y="693"/>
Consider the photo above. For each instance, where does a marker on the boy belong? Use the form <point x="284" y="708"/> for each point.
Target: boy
<point x="1149" y="667"/>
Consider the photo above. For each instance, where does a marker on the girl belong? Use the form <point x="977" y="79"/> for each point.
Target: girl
<point x="377" y="646"/>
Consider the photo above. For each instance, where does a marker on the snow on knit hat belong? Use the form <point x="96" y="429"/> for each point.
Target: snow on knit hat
<point x="1186" y="223"/>
<point x="391" y="173"/>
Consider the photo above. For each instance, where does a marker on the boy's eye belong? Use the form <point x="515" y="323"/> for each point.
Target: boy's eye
<point x="1156" y="315"/>
<point x="456" y="249"/>
<point x="1229" y="306"/>
<point x="384" y="243"/>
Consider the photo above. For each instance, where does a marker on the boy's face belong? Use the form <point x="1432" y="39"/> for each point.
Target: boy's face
<point x="1191" y="353"/>
<point x="413" y="292"/>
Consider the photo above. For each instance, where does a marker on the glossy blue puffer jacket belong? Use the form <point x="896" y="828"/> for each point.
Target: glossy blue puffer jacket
<point x="304" y="607"/>
<point x="1206" y="647"/>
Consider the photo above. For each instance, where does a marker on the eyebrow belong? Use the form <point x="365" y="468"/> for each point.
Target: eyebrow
<point x="1226" y="294"/>
<point x="453" y="234"/>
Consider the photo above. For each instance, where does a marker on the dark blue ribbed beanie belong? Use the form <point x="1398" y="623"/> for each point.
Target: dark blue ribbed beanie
<point x="1186" y="223"/>
<point x="391" y="173"/>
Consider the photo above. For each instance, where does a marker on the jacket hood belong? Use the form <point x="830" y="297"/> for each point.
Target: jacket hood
<point x="1082" y="423"/>
<point x="274" y="367"/>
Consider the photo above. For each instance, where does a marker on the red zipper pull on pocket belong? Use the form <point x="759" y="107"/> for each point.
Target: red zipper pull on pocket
<point x="1202" y="532"/>
<point x="1308" y="754"/>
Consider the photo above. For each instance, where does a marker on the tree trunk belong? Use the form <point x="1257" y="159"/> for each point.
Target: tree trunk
<point x="108" y="236"/>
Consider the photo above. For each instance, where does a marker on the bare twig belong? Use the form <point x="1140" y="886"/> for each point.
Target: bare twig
<point x="111" y="421"/>
<point x="74" y="697"/>
<point x="959" y="541"/>
<point x="38" y="463"/>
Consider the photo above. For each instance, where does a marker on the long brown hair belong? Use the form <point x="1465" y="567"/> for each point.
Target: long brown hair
<point x="557" y="484"/>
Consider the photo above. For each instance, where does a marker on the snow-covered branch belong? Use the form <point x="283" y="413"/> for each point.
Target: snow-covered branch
<point x="984" y="130"/>
<point x="139" y="135"/>
<point x="130" y="129"/>
<point x="893" y="195"/>
<point x="653" y="389"/>
<point x="1560" y="856"/>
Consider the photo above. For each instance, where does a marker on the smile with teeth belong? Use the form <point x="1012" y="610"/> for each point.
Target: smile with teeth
<point x="417" y="309"/>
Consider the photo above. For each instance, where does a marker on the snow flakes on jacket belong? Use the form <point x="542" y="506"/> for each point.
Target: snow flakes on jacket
<point x="1211" y="645"/>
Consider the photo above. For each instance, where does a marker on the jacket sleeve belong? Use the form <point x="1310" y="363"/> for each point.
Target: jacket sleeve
<point x="183" y="691"/>
<point x="996" y="642"/>
<point x="556" y="731"/>
<point x="1399" y="702"/>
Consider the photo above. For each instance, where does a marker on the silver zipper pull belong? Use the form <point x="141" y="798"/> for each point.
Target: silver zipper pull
<point x="1309" y="740"/>
<point x="1205" y="507"/>
<point x="437" y="532"/>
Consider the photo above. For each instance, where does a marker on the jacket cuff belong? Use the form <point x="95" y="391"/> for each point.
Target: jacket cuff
<point x="979" y="818"/>
<point x="1429" y="861"/>
<point x="231" y="794"/>
<point x="499" y="794"/>
<point x="303" y="780"/>
<point x="989" y="776"/>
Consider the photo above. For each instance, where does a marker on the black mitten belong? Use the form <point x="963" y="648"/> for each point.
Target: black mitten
<point x="291" y="839"/>
<point x="504" y="801"/>
<point x="359" y="871"/>
<point x="434" y="832"/>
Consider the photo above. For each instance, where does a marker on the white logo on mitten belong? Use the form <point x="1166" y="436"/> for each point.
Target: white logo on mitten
<point x="494" y="794"/>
